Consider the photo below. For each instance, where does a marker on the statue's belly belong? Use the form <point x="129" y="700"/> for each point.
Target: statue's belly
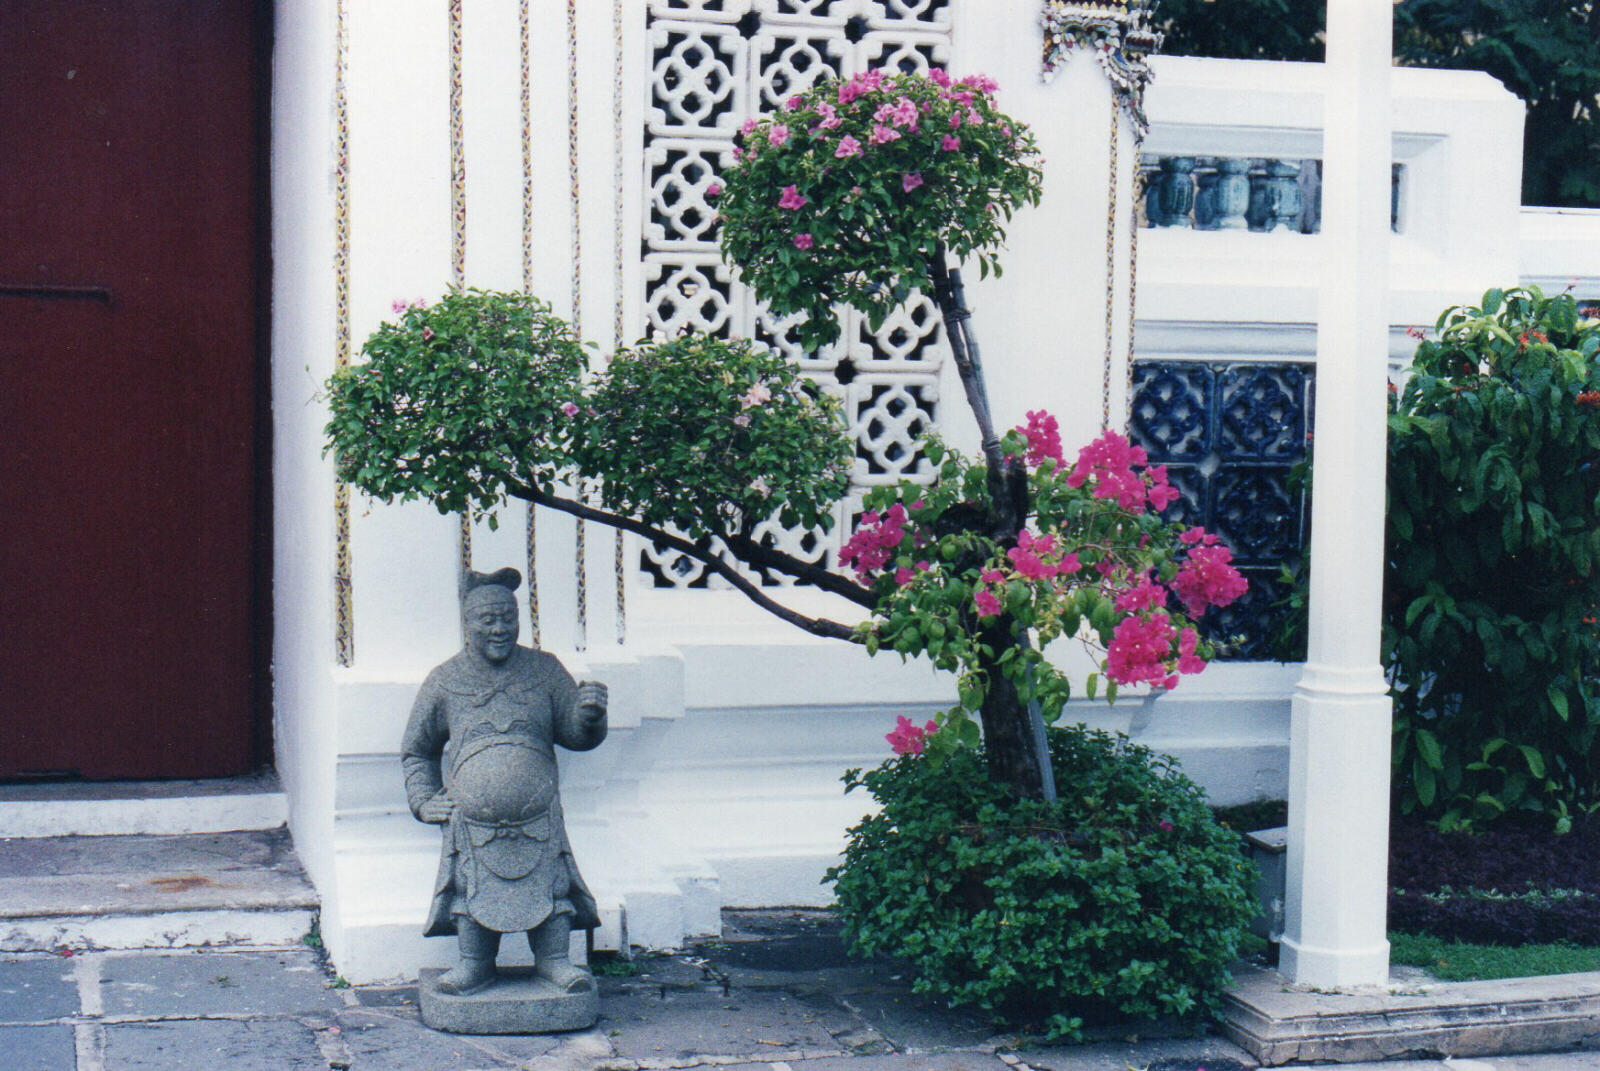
<point x="504" y="783"/>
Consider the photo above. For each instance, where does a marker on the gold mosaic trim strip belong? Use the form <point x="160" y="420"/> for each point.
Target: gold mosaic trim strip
<point x="1111" y="266"/>
<point x="344" y="603"/>
<point x="526" y="92"/>
<point x="581" y="639"/>
<point x="458" y="223"/>
<point x="619" y="311"/>
<point x="1133" y="275"/>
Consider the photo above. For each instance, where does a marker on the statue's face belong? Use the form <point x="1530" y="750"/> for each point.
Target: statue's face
<point x="492" y="624"/>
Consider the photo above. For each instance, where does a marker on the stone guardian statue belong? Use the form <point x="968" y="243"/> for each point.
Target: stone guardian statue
<point x="479" y="759"/>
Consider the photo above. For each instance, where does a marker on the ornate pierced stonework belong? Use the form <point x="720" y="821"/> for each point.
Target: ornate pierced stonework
<point x="714" y="64"/>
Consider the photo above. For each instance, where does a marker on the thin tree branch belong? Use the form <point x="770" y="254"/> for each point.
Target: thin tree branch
<point x="817" y="626"/>
<point x="756" y="553"/>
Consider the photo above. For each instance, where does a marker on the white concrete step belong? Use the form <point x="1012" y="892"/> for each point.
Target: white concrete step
<point x="237" y="890"/>
<point x="122" y="808"/>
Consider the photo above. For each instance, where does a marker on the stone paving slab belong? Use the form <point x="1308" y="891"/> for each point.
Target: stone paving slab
<point x="37" y="1048"/>
<point x="195" y="985"/>
<point x="57" y="876"/>
<point x="1185" y="1054"/>
<point x="672" y="1030"/>
<point x="938" y="1061"/>
<point x="393" y="1038"/>
<point x="34" y="990"/>
<point x="213" y="1045"/>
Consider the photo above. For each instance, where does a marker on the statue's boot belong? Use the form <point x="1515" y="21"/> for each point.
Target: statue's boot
<point x="476" y="969"/>
<point x="551" y="959"/>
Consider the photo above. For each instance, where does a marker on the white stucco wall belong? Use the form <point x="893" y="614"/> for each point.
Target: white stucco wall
<point x="719" y="785"/>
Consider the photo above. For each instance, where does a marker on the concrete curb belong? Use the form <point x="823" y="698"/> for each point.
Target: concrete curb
<point x="1277" y="1022"/>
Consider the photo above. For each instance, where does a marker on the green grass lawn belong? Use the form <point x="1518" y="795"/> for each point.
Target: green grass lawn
<point x="1454" y="961"/>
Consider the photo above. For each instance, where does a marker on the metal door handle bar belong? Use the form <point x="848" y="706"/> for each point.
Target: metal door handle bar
<point x="101" y="294"/>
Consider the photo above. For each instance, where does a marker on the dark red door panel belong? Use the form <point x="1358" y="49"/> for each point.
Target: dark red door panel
<point x="130" y="238"/>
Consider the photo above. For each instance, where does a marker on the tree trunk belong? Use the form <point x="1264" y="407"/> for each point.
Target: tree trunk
<point x="1010" y="740"/>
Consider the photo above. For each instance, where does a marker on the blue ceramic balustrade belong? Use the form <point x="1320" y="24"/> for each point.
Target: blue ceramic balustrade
<point x="1229" y="432"/>
<point x="1224" y="193"/>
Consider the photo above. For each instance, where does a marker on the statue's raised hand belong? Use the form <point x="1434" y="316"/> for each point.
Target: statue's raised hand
<point x="592" y="700"/>
<point x="437" y="809"/>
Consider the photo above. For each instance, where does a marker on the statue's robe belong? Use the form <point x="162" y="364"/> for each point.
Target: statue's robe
<point x="506" y="863"/>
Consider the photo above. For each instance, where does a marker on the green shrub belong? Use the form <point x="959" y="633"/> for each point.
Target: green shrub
<point x="1492" y="587"/>
<point x="705" y="434"/>
<point x="459" y="402"/>
<point x="1124" y="897"/>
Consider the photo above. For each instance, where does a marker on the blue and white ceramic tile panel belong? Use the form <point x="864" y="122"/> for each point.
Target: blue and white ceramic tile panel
<point x="1229" y="432"/>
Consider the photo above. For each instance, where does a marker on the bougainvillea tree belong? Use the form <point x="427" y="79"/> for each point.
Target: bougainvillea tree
<point x="856" y="193"/>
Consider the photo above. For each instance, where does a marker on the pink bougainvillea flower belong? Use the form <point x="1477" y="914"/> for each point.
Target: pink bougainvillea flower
<point x="992" y="576"/>
<point x="742" y="420"/>
<point x="905" y="114"/>
<point x="907" y="738"/>
<point x="1188" y="660"/>
<point x="938" y="76"/>
<point x="830" y="116"/>
<point x="804" y="241"/>
<point x="1109" y="462"/>
<point x="397" y="306"/>
<point x="882" y="135"/>
<point x="910" y="180"/>
<point x="848" y="147"/>
<point x="904" y="575"/>
<point x="714" y="189"/>
<point x="1166" y="827"/>
<point x="1161" y="493"/>
<point x="951" y="143"/>
<point x="791" y="199"/>
<point x="955" y="120"/>
<point x="987" y="604"/>
<point x="427" y="334"/>
<point x="1044" y="438"/>
<point x="1139" y="649"/>
<point x="748" y="128"/>
<point x="982" y="83"/>
<point x="794" y="102"/>
<point x="875" y="541"/>
<point x="1207" y="579"/>
<point x="569" y="408"/>
<point x="778" y="135"/>
<point x="756" y="395"/>
<point x="759" y="486"/>
<point x="1146" y="595"/>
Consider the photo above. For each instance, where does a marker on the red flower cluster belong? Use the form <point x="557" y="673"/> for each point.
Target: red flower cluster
<point x="906" y="738"/>
<point x="1207" y="579"/>
<point x="1590" y="398"/>
<point x="1044" y="438"/>
<point x="1110" y="462"/>
<point x="875" y="541"/>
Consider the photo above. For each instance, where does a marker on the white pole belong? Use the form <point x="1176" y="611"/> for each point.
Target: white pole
<point x="1339" y="736"/>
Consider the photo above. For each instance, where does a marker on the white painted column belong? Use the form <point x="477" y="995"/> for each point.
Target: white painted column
<point x="1339" y="734"/>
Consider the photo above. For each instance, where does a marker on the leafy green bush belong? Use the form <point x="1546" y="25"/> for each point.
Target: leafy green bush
<point x="1494" y="541"/>
<point x="1124" y="897"/>
<point x="845" y="196"/>
<point x="707" y="435"/>
<point x="459" y="401"/>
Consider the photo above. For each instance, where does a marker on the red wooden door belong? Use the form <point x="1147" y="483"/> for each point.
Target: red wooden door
<point x="132" y="209"/>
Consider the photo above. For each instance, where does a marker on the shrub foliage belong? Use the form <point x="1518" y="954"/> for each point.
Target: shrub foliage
<point x="1124" y="897"/>
<point x="1494" y="543"/>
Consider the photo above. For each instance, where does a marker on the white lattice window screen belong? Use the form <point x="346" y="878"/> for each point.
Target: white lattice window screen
<point x="716" y="62"/>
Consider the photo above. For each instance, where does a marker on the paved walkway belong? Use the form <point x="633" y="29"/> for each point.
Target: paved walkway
<point x="776" y="995"/>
